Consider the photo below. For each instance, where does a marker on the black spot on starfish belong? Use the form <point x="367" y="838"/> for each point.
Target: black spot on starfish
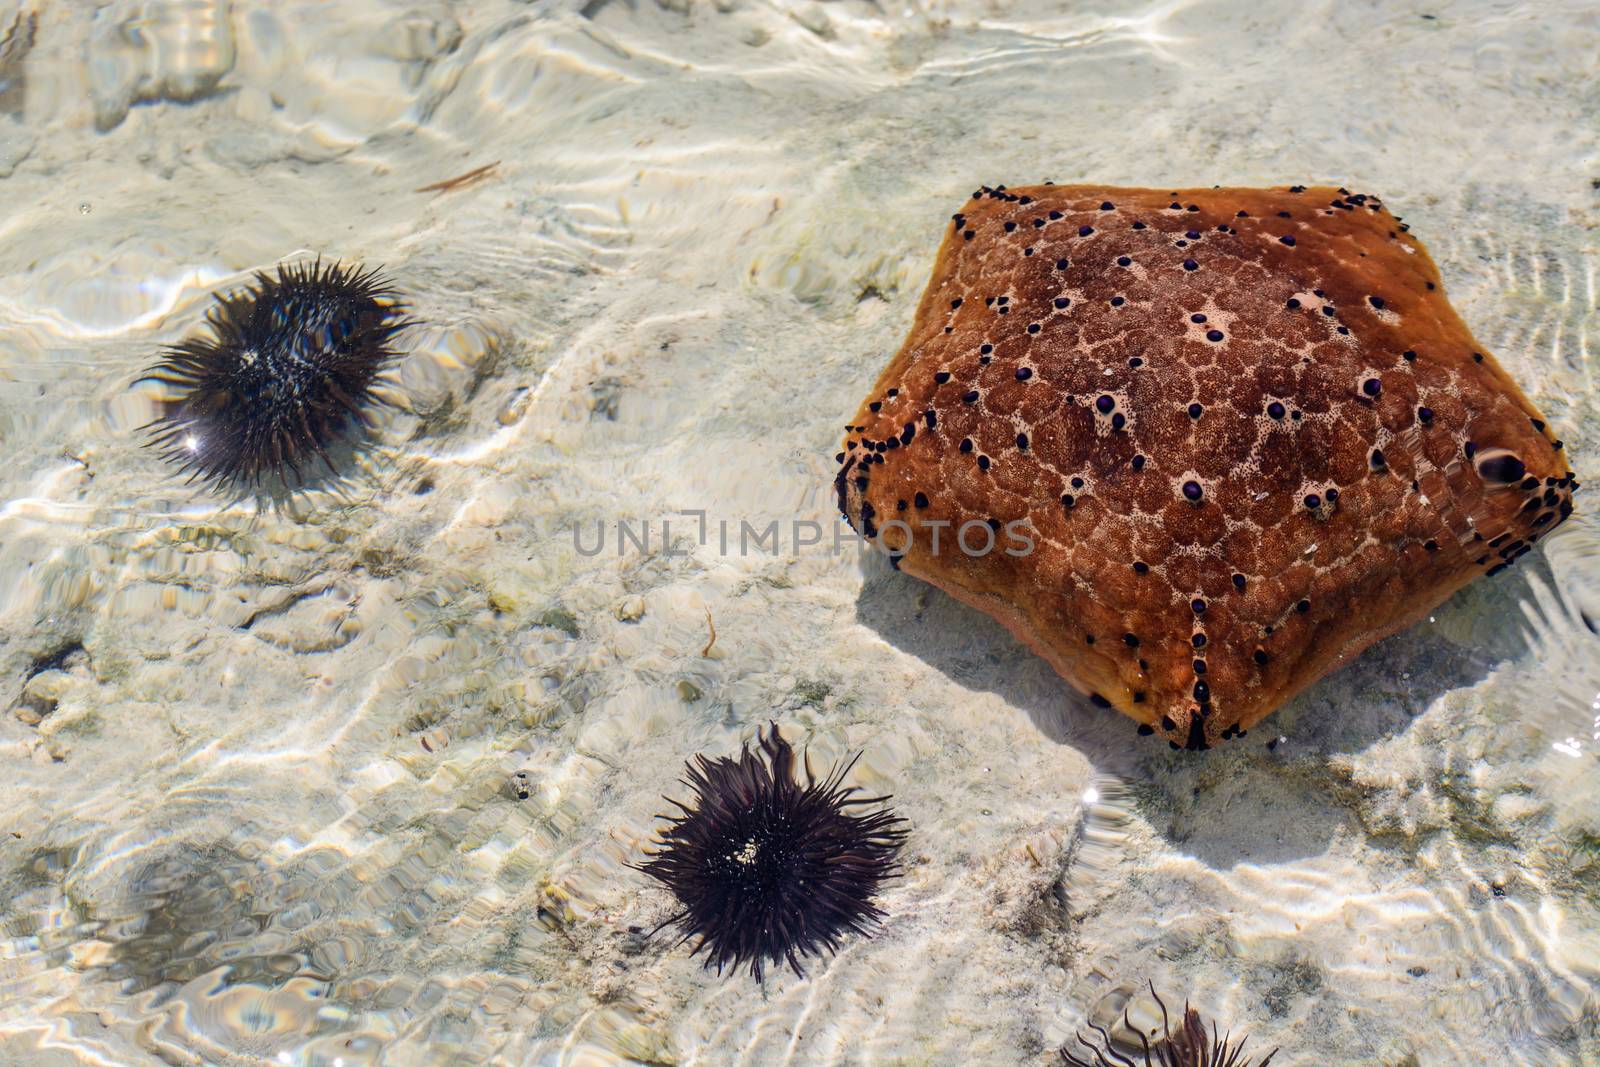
<point x="287" y="373"/>
<point x="766" y="869"/>
<point x="1189" y="1047"/>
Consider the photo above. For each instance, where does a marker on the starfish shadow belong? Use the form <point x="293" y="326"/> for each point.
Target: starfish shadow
<point x="1270" y="797"/>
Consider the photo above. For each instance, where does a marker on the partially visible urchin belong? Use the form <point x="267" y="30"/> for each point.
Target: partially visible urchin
<point x="288" y="372"/>
<point x="766" y="869"/>
<point x="1189" y="1047"/>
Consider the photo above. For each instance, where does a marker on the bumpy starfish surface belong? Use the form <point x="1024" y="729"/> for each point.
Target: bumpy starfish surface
<point x="1195" y="448"/>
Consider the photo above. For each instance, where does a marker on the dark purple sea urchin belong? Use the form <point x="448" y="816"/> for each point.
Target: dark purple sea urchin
<point x="766" y="869"/>
<point x="287" y="373"/>
<point x="1189" y="1047"/>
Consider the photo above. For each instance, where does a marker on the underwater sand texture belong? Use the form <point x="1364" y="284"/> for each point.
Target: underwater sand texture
<point x="1232" y="438"/>
<point x="357" y="780"/>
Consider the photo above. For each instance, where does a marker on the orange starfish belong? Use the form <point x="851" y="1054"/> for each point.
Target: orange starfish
<point x="1216" y="441"/>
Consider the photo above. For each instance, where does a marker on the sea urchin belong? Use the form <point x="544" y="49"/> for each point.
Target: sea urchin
<point x="287" y="373"/>
<point x="1189" y="1047"/>
<point x="766" y="869"/>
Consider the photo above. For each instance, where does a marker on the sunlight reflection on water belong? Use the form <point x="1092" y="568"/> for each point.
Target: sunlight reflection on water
<point x="356" y="778"/>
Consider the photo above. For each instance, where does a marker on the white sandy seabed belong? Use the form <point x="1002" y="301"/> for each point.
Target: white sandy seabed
<point x="355" y="781"/>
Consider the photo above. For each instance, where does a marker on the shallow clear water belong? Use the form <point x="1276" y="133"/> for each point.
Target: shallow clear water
<point x="356" y="780"/>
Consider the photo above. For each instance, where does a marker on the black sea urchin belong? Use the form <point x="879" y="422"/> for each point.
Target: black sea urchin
<point x="766" y="869"/>
<point x="287" y="373"/>
<point x="1188" y="1047"/>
